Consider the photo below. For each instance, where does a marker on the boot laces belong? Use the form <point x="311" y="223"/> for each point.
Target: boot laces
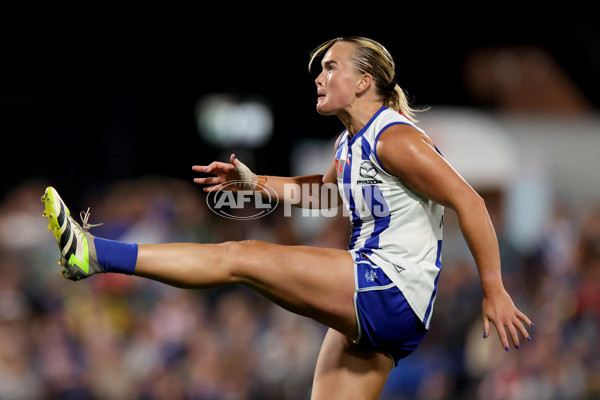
<point x="84" y="219"/>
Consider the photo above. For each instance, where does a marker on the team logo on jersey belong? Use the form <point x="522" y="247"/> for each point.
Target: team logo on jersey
<point x="370" y="275"/>
<point x="367" y="169"/>
<point x="369" y="172"/>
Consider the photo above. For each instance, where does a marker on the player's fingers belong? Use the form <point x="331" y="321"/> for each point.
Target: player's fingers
<point x="214" y="167"/>
<point x="523" y="331"/>
<point x="208" y="181"/>
<point x="205" y="168"/>
<point x="486" y="327"/>
<point x="503" y="336"/>
<point x="514" y="335"/>
<point x="524" y="318"/>
<point x="240" y="167"/>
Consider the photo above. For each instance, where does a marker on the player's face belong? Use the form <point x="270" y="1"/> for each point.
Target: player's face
<point x="337" y="81"/>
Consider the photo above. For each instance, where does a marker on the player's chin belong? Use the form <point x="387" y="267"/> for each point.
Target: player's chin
<point x="323" y="109"/>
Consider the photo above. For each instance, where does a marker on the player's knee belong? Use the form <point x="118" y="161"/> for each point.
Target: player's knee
<point x="237" y="248"/>
<point x="242" y="256"/>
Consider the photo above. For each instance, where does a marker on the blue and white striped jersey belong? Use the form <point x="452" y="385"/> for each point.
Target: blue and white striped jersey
<point x="397" y="228"/>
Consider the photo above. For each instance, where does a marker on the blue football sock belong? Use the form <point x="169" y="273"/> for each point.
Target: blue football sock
<point x="114" y="256"/>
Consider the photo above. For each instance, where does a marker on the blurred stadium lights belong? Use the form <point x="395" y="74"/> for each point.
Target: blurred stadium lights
<point x="227" y="120"/>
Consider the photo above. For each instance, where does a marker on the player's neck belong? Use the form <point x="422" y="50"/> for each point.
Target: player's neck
<point x="358" y="116"/>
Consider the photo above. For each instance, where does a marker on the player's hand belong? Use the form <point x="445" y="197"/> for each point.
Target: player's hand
<point x="232" y="172"/>
<point x="500" y="310"/>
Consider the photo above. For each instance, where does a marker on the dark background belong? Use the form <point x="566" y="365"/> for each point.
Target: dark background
<point x="86" y="102"/>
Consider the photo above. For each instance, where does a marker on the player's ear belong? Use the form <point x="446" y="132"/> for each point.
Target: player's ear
<point x="363" y="83"/>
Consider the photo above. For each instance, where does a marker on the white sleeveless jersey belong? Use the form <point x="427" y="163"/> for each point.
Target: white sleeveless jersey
<point x="395" y="227"/>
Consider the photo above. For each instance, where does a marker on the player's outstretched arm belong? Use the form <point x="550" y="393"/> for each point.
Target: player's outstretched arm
<point x="299" y="191"/>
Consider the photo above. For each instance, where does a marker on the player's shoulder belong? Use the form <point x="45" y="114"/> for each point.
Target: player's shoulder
<point x="401" y="133"/>
<point x="403" y="139"/>
<point x="390" y="118"/>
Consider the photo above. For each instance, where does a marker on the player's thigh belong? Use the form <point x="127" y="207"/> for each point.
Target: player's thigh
<point x="310" y="281"/>
<point x="346" y="371"/>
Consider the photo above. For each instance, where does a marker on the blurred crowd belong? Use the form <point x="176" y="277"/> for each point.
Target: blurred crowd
<point x="119" y="337"/>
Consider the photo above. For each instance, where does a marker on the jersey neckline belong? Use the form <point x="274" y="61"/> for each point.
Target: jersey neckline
<point x="352" y="139"/>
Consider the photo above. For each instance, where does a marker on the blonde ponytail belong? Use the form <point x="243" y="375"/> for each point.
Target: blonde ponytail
<point x="397" y="100"/>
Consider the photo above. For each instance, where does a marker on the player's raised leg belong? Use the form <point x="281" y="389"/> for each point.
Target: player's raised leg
<point x="314" y="282"/>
